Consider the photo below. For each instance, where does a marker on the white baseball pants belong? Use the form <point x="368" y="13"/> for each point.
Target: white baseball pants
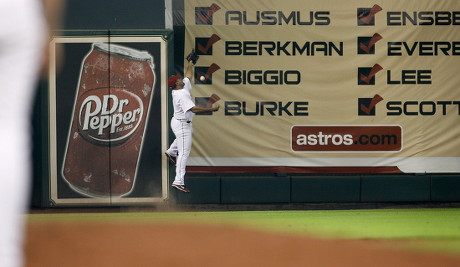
<point x="181" y="147"/>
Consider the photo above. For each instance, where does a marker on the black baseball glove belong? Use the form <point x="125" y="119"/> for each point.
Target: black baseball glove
<point x="192" y="57"/>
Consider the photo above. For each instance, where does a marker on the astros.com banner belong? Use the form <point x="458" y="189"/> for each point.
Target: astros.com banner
<point x="327" y="83"/>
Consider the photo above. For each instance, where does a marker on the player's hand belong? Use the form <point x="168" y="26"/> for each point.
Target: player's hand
<point x="192" y="57"/>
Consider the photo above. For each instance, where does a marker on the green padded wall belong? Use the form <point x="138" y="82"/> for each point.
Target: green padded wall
<point x="325" y="189"/>
<point x="255" y="190"/>
<point x="205" y="190"/>
<point x="445" y="187"/>
<point x="395" y="188"/>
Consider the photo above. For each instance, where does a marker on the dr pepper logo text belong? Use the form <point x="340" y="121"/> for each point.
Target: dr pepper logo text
<point x="105" y="118"/>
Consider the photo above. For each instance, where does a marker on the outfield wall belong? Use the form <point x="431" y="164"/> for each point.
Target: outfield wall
<point x="247" y="40"/>
<point x="265" y="145"/>
<point x="315" y="188"/>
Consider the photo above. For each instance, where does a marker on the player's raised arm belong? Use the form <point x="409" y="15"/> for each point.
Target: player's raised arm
<point x="189" y="70"/>
<point x="191" y="58"/>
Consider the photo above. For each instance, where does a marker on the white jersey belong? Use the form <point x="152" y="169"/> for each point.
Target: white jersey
<point x="182" y="102"/>
<point x="187" y="84"/>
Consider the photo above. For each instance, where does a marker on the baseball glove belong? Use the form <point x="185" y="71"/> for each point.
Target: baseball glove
<point x="192" y="57"/>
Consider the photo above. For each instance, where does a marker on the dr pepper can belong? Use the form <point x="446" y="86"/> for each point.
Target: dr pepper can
<point x="109" y="121"/>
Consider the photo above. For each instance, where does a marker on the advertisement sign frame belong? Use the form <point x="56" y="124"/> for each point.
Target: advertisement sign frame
<point x="160" y="85"/>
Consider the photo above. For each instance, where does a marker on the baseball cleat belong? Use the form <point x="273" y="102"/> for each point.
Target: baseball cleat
<point x="171" y="159"/>
<point x="181" y="188"/>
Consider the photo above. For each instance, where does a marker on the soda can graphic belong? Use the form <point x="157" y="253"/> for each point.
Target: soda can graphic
<point x="109" y="120"/>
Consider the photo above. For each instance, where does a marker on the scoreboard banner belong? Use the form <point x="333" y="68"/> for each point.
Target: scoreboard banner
<point x="327" y="83"/>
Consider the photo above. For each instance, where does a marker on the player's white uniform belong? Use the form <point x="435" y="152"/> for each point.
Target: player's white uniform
<point x="181" y="124"/>
<point x="22" y="33"/>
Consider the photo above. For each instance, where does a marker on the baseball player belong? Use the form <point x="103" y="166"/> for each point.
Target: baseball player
<point x="181" y="123"/>
<point x="22" y="40"/>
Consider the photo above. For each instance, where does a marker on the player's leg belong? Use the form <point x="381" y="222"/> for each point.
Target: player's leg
<point x="184" y="143"/>
<point x="172" y="150"/>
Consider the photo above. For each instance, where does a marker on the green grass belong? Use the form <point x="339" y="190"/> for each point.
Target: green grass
<point x="435" y="229"/>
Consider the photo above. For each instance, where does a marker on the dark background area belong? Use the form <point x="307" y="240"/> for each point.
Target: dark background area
<point x="114" y="14"/>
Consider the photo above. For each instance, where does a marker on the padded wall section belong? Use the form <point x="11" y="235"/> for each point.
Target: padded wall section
<point x="204" y="190"/>
<point x="255" y="190"/>
<point x="325" y="189"/>
<point x="445" y="187"/>
<point x="395" y="188"/>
